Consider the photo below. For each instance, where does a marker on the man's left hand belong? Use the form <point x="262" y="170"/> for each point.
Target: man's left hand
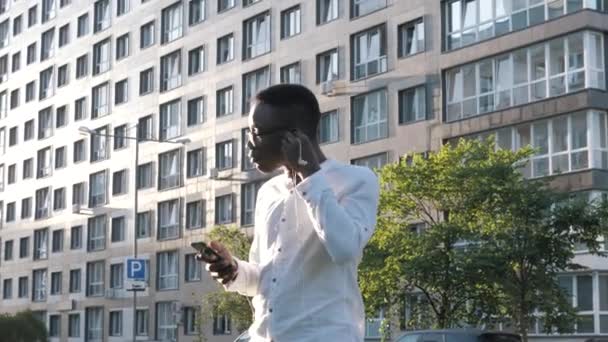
<point x="291" y="154"/>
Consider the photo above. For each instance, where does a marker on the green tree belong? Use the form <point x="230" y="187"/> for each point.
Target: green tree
<point x="220" y="302"/>
<point x="492" y="245"/>
<point x="22" y="327"/>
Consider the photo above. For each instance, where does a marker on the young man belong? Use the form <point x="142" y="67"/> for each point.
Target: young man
<point x="311" y="225"/>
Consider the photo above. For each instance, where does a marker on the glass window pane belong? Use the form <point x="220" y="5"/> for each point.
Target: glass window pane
<point x="584" y="293"/>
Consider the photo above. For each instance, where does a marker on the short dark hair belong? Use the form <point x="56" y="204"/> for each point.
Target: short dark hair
<point x="297" y="101"/>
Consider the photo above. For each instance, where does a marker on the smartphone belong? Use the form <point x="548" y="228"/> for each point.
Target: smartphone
<point x="208" y="252"/>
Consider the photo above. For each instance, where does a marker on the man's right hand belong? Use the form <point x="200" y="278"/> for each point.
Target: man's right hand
<point x="225" y="269"/>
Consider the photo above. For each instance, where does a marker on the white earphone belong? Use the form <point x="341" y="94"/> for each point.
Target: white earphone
<point x="301" y="161"/>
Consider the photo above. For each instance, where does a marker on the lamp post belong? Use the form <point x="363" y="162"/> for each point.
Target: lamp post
<point x="183" y="142"/>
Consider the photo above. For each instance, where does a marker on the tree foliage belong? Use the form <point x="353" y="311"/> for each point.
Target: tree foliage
<point x="492" y="244"/>
<point x="22" y="327"/>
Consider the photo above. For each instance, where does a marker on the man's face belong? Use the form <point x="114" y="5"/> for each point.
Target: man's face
<point x="266" y="130"/>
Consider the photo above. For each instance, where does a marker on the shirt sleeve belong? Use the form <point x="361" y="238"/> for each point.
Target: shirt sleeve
<point x="343" y="225"/>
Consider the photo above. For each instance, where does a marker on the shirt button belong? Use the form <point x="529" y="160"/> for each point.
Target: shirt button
<point x="270" y="310"/>
<point x="274" y="280"/>
<point x="280" y="249"/>
<point x="283" y="219"/>
<point x="304" y="193"/>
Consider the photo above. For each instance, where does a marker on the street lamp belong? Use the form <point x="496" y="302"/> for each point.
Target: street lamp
<point x="182" y="141"/>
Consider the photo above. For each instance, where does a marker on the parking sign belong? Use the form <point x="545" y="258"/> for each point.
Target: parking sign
<point x="136" y="269"/>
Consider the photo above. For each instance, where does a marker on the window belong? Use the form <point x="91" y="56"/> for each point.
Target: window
<point x="96" y="233"/>
<point x="247" y="164"/>
<point x="195" y="215"/>
<point x="45" y="123"/>
<point x="167" y="264"/>
<point x="119" y="183"/>
<point x="32" y="16"/>
<point x="17" y="25"/>
<point x="75" y="276"/>
<point x="171" y="23"/>
<point x="30" y="91"/>
<point x="49" y="10"/>
<point x="60" y="157"/>
<point x="116" y="276"/>
<point x="144" y="176"/>
<point x="224" y="5"/>
<point x="412" y="104"/>
<point x="225" y="49"/>
<point x="64" y="35"/>
<point x="93" y="324"/>
<point x="362" y="7"/>
<point x="95" y="275"/>
<point x="55" y="283"/>
<point x="146" y="81"/>
<point x="291" y="73"/>
<point x="47" y="45"/>
<point x="118" y="229"/>
<point x="16" y="62"/>
<point x="44" y="163"/>
<point x="253" y="82"/>
<point x="100" y="144"/>
<point x="249" y="193"/>
<point x="327" y="10"/>
<point x="249" y="2"/>
<point x="141" y="322"/>
<point x="61" y="116"/>
<point x="8" y="250"/>
<point x="28" y="168"/>
<point x="59" y="199"/>
<point x="121" y="91"/>
<point x="256" y="36"/>
<point x="122" y="7"/>
<point x="171" y="71"/>
<point x="225" y="102"/>
<point x="196" y="60"/>
<point x="102" y="15"/>
<point x="290" y="22"/>
<point x="411" y="38"/>
<point x="222" y="325"/>
<point x="15" y="98"/>
<point x="223" y="155"/>
<point x="369" y="116"/>
<point x="28" y="130"/>
<point x="101" y="57"/>
<point x="4" y="33"/>
<point x="54" y="321"/>
<point x="31" y="54"/>
<point x="146" y="33"/>
<point x="97" y="193"/>
<point x="74" y="325"/>
<point x="83" y="25"/>
<point x="12" y="136"/>
<point x="7" y="289"/>
<point x="39" y="280"/>
<point x="79" y="151"/>
<point x="63" y="75"/>
<point x="523" y="76"/>
<point x="24" y="247"/>
<point x="224" y="212"/>
<point x="10" y="212"/>
<point x="78" y="195"/>
<point x="169" y="165"/>
<point x="191" y="317"/>
<point x="196" y="111"/>
<point x="82" y="66"/>
<point x="63" y="3"/>
<point x="196" y="10"/>
<point x="23" y="287"/>
<point x="46" y="84"/>
<point x="122" y="47"/>
<point x="373" y="162"/>
<point x="170" y="120"/>
<point x="57" y="241"/>
<point x="116" y="323"/>
<point x="100" y="100"/>
<point x="329" y="127"/>
<point x="368" y="49"/>
<point x="144" y="224"/>
<point x="327" y="66"/>
<point x="195" y="163"/>
<point x="76" y="237"/>
<point x="80" y="109"/>
<point x="120" y="134"/>
<point x="144" y="128"/>
<point x="41" y="243"/>
<point x="169" y="217"/>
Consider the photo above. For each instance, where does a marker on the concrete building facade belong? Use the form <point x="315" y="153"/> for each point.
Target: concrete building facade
<point x="392" y="77"/>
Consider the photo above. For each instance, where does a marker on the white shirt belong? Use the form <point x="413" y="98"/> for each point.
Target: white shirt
<point x="308" y="242"/>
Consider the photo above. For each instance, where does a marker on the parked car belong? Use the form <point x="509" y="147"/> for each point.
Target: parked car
<point x="244" y="337"/>
<point x="458" y="335"/>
